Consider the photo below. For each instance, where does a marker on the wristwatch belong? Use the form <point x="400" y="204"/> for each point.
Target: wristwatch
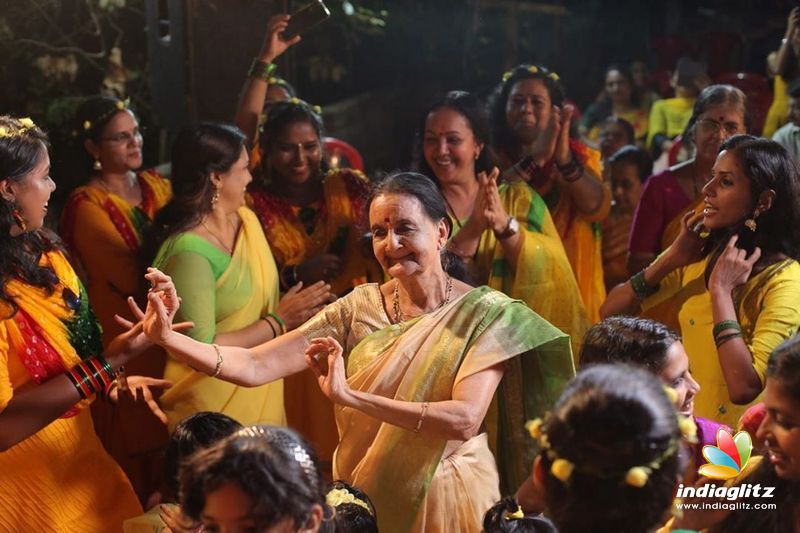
<point x="512" y="228"/>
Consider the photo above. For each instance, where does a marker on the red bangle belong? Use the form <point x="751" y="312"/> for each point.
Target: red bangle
<point x="100" y="373"/>
<point x="84" y="387"/>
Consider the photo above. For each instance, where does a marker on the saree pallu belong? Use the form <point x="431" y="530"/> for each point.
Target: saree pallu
<point x="542" y="277"/>
<point x="60" y="478"/>
<point x="422" y="360"/>
<point x="766" y="308"/>
<point x="105" y="234"/>
<point x="245" y="290"/>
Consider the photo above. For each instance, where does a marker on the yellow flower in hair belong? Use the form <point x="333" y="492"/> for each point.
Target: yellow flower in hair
<point x="533" y="69"/>
<point x="3" y="132"/>
<point x="317" y="109"/>
<point x="534" y="427"/>
<point x="516" y="515"/>
<point x="637" y="476"/>
<point x="553" y="76"/>
<point x="562" y="469"/>
<point x="506" y="76"/>
<point x="337" y="497"/>
<point x="671" y="393"/>
<point x="27" y="123"/>
<point x="120" y="105"/>
<point x="688" y="428"/>
<point x="295" y="100"/>
<point x="87" y="125"/>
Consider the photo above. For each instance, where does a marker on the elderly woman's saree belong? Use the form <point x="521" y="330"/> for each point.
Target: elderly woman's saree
<point x="405" y="473"/>
<point x="221" y="293"/>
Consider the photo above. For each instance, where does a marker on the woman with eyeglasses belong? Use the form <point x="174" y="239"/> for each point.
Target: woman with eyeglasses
<point x="719" y="112"/>
<point x="104" y="224"/>
<point x="731" y="279"/>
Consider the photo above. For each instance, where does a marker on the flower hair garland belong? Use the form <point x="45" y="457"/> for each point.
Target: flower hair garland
<point x="23" y="125"/>
<point x="120" y="105"/>
<point x="341" y="496"/>
<point x="636" y="476"/>
<point x="533" y="69"/>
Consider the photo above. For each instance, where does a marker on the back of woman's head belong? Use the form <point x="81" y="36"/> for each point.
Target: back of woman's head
<point x="636" y="156"/>
<point x="624" y="339"/>
<point x="712" y="96"/>
<point x="472" y="109"/>
<point x="197" y="152"/>
<point x="612" y="452"/>
<point x="191" y="434"/>
<point x="353" y="511"/>
<point x="425" y="191"/>
<point x="274" y="467"/>
<point x="768" y="165"/>
<point x="502" y="135"/>
<point x="784" y="366"/>
<point x="506" y="517"/>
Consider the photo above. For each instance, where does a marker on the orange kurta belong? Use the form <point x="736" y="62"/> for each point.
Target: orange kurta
<point x="60" y="478"/>
<point x="105" y="234"/>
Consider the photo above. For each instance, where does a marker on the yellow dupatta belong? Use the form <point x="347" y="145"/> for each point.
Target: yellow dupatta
<point x="542" y="277"/>
<point x="252" y="271"/>
<point x="422" y="360"/>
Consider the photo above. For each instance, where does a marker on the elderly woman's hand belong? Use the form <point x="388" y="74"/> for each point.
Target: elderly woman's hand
<point x="324" y="357"/>
<point x="733" y="268"/>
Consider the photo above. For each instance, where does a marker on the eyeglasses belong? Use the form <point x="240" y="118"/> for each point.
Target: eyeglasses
<point x="125" y="137"/>
<point x="712" y="126"/>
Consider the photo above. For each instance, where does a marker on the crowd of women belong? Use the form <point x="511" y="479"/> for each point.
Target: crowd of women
<point x="420" y="334"/>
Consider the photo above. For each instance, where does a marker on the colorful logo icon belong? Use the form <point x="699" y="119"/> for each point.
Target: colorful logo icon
<point x="727" y="459"/>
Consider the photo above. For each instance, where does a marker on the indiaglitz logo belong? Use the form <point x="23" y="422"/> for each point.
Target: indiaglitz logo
<point x="727" y="459"/>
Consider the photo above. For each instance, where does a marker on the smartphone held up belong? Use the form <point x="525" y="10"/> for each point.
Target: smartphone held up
<point x="305" y="18"/>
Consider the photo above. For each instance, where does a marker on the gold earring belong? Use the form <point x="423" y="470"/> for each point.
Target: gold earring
<point x="215" y="198"/>
<point x="17" y="215"/>
<point x="97" y="165"/>
<point x="750" y="223"/>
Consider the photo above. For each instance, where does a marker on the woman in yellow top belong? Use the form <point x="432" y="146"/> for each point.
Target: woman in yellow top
<point x="531" y="137"/>
<point x="312" y="217"/>
<point x="736" y="290"/>
<point x="504" y="233"/>
<point x="215" y="251"/>
<point x="104" y="224"/>
<point x="56" y="475"/>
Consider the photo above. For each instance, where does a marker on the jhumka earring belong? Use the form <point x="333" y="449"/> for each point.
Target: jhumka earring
<point x="215" y="198"/>
<point x="97" y="165"/>
<point x="750" y="223"/>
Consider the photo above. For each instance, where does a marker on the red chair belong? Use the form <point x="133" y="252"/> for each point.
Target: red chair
<point x="720" y="48"/>
<point x="659" y="81"/>
<point x="759" y="95"/>
<point x="341" y="154"/>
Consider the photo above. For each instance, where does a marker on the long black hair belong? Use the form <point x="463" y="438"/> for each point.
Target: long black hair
<point x="21" y="149"/>
<point x="197" y="151"/>
<point x="426" y="192"/>
<point x="604" y="108"/>
<point x="469" y="107"/>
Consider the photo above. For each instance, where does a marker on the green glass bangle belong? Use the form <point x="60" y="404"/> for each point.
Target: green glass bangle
<point x="639" y="286"/>
<point x="262" y="70"/>
<point x="722" y="325"/>
<point x="107" y="367"/>
<point x="279" y="320"/>
<point x="725" y="338"/>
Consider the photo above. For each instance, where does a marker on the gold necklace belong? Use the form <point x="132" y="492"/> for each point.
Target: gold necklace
<point x="399" y="316"/>
<point x="228" y="249"/>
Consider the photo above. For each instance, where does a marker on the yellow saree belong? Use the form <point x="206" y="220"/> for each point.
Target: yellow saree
<point x="413" y="486"/>
<point x="221" y="293"/>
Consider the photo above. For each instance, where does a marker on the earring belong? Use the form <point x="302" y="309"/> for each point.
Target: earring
<point x="17" y="215"/>
<point x="215" y="198"/>
<point x="750" y="223"/>
<point x="97" y="165"/>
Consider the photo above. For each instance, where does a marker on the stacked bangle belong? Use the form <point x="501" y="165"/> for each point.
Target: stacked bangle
<point x="527" y="168"/>
<point x="724" y="325"/>
<point x="640" y="287"/>
<point x="261" y="70"/>
<point x="572" y="171"/>
<point x="91" y="376"/>
<point x="280" y="322"/>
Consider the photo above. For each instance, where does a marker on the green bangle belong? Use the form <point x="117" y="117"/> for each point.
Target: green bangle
<point x="279" y="320"/>
<point x="722" y="325"/>
<point x="725" y="338"/>
<point x="261" y="70"/>
<point x="639" y="286"/>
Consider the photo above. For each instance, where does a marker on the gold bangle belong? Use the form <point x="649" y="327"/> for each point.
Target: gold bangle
<point x="218" y="367"/>
<point x="421" y="417"/>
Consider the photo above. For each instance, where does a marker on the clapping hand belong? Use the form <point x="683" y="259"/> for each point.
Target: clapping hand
<point x="324" y="357"/>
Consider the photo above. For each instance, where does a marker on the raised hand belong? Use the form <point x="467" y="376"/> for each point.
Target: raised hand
<point x="494" y="212"/>
<point x="139" y="389"/>
<point x="733" y="267"/>
<point x="562" y="152"/>
<point x="547" y="140"/>
<point x="299" y="304"/>
<point x="324" y="357"/>
<point x="687" y="247"/>
<point x="274" y="44"/>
